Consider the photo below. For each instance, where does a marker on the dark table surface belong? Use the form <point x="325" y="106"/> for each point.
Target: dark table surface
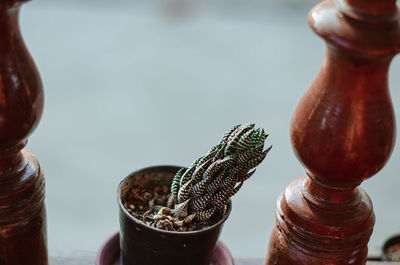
<point x="88" y="258"/>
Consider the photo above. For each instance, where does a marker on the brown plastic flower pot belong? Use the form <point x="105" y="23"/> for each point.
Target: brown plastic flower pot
<point x="145" y="245"/>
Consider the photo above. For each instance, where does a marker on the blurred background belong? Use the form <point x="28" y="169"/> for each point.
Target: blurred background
<point x="130" y="84"/>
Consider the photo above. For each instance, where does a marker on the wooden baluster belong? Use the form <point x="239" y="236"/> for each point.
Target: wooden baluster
<point x="22" y="210"/>
<point x="343" y="132"/>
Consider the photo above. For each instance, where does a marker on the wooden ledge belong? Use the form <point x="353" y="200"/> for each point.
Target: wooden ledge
<point x="88" y="258"/>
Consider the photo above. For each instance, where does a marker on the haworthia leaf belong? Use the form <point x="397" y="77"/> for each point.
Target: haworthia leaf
<point x="206" y="186"/>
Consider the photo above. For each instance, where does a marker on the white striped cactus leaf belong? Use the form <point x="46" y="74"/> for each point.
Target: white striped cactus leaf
<point x="207" y="185"/>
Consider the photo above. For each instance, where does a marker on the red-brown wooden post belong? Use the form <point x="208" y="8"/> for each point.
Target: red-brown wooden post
<point x="343" y="131"/>
<point x="22" y="210"/>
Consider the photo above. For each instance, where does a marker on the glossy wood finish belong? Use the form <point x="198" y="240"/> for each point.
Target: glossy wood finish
<point x="343" y="132"/>
<point x="22" y="210"/>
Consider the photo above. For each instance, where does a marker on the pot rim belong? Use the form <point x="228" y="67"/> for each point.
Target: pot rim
<point x="138" y="222"/>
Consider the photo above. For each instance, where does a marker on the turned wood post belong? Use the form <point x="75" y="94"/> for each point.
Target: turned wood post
<point x="343" y="132"/>
<point x="22" y="210"/>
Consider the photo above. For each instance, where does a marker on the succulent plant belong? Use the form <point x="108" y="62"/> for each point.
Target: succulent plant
<point x="204" y="189"/>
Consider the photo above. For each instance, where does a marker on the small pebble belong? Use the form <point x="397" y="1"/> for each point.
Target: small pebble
<point x="165" y="210"/>
<point x="147" y="195"/>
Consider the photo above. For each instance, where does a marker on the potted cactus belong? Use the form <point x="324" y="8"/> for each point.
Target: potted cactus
<point x="172" y="215"/>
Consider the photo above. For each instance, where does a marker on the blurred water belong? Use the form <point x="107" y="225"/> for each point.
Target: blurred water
<point x="131" y="84"/>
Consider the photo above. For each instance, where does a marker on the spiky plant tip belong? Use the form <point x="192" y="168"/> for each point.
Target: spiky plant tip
<point x="205" y="188"/>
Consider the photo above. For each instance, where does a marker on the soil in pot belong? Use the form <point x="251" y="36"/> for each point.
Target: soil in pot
<point x="393" y="252"/>
<point x="391" y="249"/>
<point x="150" y="206"/>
